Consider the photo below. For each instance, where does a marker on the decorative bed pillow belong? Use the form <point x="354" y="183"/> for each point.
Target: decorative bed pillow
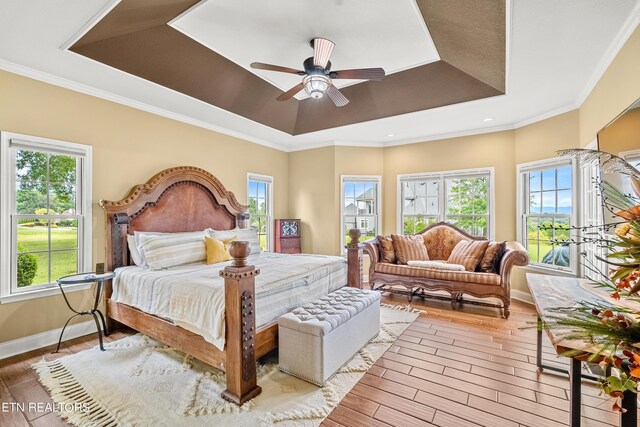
<point x="492" y="257"/>
<point x="409" y="248"/>
<point x="168" y="250"/>
<point x="140" y="249"/>
<point x="387" y="253"/>
<point x="134" y="252"/>
<point x="217" y="250"/>
<point x="468" y="253"/>
<point x="242" y="235"/>
<point x="439" y="265"/>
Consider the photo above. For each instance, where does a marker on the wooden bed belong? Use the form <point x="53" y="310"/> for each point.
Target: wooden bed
<point x="191" y="199"/>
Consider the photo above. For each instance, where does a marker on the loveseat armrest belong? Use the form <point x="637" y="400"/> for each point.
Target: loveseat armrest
<point x="515" y="254"/>
<point x="371" y="247"/>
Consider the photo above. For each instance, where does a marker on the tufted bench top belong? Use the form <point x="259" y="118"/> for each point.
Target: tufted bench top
<point x="322" y="316"/>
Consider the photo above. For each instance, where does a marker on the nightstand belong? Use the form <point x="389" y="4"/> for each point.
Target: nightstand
<point x="76" y="279"/>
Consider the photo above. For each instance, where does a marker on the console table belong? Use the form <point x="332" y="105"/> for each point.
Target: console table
<point x="549" y="292"/>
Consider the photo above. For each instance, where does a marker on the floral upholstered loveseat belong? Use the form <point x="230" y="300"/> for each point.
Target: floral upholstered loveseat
<point x="440" y="240"/>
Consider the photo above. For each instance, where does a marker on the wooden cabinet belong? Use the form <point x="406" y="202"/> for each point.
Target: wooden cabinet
<point x="287" y="236"/>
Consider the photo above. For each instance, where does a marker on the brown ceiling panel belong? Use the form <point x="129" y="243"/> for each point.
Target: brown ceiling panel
<point x="133" y="16"/>
<point x="470" y="35"/>
<point x="421" y="88"/>
<point x="134" y="37"/>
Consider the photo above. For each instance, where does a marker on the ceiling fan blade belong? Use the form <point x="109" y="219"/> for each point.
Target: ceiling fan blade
<point x="261" y="66"/>
<point x="359" y="74"/>
<point x="337" y="97"/>
<point x="322" y="49"/>
<point x="291" y="92"/>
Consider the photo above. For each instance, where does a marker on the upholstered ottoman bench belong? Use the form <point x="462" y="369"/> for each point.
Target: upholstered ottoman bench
<point x="317" y="339"/>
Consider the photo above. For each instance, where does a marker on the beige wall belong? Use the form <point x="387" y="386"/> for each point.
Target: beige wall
<point x="617" y="89"/>
<point x="129" y="146"/>
<point x="312" y="184"/>
<point x="622" y="135"/>
<point x="486" y="150"/>
<point x="541" y="140"/>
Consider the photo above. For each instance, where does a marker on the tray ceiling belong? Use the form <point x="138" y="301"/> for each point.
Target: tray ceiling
<point x="437" y="53"/>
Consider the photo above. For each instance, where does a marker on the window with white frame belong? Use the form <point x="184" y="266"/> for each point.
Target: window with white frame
<point x="46" y="212"/>
<point x="591" y="222"/>
<point x="260" y="200"/>
<point x="462" y="198"/>
<point x="547" y="211"/>
<point x="360" y="206"/>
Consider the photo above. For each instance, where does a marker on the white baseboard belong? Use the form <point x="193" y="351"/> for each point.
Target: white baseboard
<point x="43" y="339"/>
<point x="521" y="296"/>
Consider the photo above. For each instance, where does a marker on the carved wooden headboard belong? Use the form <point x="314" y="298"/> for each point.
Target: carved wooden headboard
<point x="183" y="198"/>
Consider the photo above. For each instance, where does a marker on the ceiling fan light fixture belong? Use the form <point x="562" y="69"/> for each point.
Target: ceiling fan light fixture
<point x="316" y="85"/>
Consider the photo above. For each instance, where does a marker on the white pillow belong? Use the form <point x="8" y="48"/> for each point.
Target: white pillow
<point x="242" y="234"/>
<point x="136" y="256"/>
<point x="137" y="234"/>
<point x="438" y="265"/>
<point x="168" y="250"/>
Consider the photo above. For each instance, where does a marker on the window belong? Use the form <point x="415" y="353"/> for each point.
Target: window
<point x="260" y="199"/>
<point x="592" y="220"/>
<point x="46" y="212"/>
<point x="463" y="198"/>
<point x="360" y="206"/>
<point x="546" y="195"/>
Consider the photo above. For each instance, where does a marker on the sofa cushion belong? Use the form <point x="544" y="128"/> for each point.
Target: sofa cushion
<point x="440" y="265"/>
<point x="490" y="262"/>
<point x="468" y="253"/>
<point x="409" y="248"/>
<point x="440" y="241"/>
<point x="387" y="253"/>
<point x="432" y="273"/>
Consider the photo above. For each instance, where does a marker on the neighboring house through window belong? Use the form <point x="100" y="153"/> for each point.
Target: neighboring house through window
<point x="45" y="214"/>
<point x="463" y="198"/>
<point x="360" y="205"/>
<point x="260" y="200"/>
<point x="546" y="211"/>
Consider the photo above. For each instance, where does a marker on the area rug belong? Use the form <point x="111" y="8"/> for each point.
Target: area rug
<point x="141" y="382"/>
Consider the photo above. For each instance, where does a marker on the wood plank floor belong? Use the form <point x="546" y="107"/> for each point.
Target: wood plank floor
<point x="463" y="368"/>
<point x="449" y="368"/>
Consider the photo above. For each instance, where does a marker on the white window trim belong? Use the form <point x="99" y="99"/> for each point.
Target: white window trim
<point x="6" y="185"/>
<point x="269" y="180"/>
<point x="575" y="217"/>
<point x="371" y="178"/>
<point x="440" y="175"/>
<point x="626" y="155"/>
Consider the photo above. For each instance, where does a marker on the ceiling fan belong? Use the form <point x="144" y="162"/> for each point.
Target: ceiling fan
<point x="318" y="75"/>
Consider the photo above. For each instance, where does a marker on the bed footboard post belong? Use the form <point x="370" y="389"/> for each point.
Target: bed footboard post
<point x="239" y="288"/>
<point x="354" y="260"/>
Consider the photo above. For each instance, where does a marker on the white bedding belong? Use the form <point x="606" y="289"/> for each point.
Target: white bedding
<point x="192" y="296"/>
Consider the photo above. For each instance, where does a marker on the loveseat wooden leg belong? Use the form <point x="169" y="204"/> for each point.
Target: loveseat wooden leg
<point x="506" y="311"/>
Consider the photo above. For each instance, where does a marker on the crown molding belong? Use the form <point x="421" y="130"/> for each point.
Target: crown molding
<point x="103" y="94"/>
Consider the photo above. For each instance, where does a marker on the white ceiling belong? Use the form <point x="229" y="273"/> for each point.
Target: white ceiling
<point x="246" y="31"/>
<point x="556" y="52"/>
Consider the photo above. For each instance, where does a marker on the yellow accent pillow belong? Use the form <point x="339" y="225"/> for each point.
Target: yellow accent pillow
<point x="218" y="250"/>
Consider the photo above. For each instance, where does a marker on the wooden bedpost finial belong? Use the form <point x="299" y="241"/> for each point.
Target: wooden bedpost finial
<point x="354" y="234"/>
<point x="239" y="251"/>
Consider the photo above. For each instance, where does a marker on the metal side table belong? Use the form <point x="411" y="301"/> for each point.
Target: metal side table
<point x="75" y="279"/>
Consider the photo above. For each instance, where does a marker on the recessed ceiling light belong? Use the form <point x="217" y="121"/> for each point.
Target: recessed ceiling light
<point x="391" y="135"/>
<point x="488" y="119"/>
